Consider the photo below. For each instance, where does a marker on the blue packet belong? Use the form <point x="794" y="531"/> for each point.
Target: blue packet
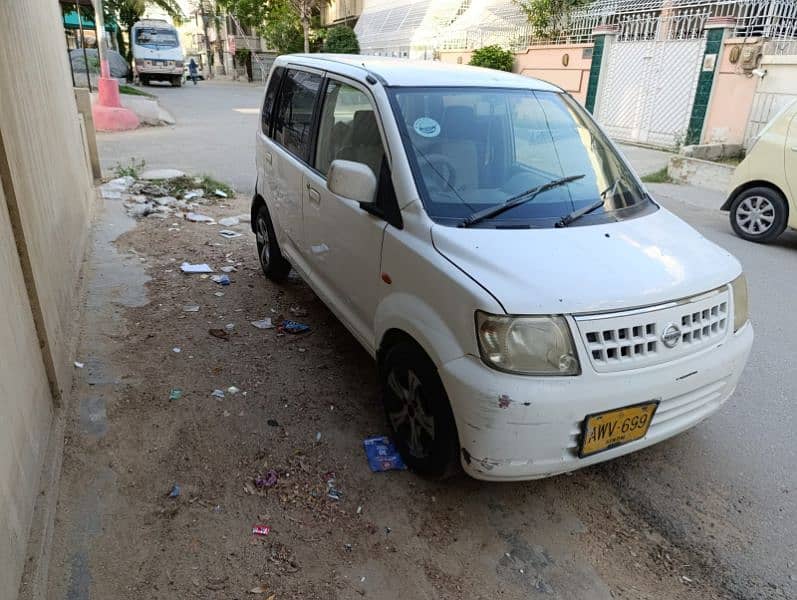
<point x="293" y="327"/>
<point x="382" y="454"/>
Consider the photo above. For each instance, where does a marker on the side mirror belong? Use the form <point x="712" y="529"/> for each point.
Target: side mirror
<point x="353" y="180"/>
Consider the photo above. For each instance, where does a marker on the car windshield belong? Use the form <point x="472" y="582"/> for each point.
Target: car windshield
<point x="156" y="38"/>
<point x="475" y="148"/>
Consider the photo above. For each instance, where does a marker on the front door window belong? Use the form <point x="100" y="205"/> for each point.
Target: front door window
<point x="348" y="129"/>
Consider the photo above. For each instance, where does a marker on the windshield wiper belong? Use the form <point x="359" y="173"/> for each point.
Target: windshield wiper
<point x="527" y="196"/>
<point x="577" y="214"/>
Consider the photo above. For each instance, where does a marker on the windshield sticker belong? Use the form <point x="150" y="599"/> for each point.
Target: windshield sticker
<point x="426" y="127"/>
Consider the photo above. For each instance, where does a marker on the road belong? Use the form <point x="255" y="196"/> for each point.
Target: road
<point x="727" y="490"/>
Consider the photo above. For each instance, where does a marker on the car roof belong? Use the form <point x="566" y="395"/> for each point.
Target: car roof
<point x="405" y="73"/>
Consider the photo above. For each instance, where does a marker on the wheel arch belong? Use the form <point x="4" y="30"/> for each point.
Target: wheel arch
<point x="257" y="202"/>
<point x="748" y="185"/>
<point x="406" y="316"/>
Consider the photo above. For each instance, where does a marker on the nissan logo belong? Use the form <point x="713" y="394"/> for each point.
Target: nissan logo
<point x="671" y="335"/>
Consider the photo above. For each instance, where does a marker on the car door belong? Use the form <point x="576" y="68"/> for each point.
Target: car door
<point x="343" y="240"/>
<point x="791" y="169"/>
<point x="292" y="134"/>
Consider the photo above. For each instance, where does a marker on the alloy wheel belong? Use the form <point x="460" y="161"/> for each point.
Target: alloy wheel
<point x="263" y="241"/>
<point x="411" y="419"/>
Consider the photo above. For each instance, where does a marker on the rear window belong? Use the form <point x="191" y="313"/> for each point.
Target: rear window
<point x="271" y="96"/>
<point x="293" y="120"/>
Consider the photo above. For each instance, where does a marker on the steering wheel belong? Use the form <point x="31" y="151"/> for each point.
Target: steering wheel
<point x="443" y="175"/>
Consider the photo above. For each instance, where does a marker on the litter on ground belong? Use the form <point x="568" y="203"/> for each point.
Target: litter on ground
<point x="198" y="218"/>
<point x="260" y="530"/>
<point x="191" y="308"/>
<point x="222" y="334"/>
<point x="382" y="454"/>
<point x="199" y="268"/>
<point x="263" y="324"/>
<point x="79" y="365"/>
<point x="175" y="491"/>
<point x="229" y="221"/>
<point x="229" y="233"/>
<point x="221" y="279"/>
<point x="267" y="480"/>
<point x="217" y="393"/>
<point x="175" y="394"/>
<point x="293" y="327"/>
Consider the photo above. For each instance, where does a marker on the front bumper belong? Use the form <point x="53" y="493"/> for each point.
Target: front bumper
<point x="159" y="70"/>
<point x="515" y="427"/>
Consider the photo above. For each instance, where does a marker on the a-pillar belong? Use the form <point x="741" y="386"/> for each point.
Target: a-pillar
<point x="717" y="29"/>
<point x="603" y="37"/>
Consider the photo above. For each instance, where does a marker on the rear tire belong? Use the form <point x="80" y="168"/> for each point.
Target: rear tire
<point x="274" y="265"/>
<point x="759" y="214"/>
<point x="144" y="80"/>
<point x="177" y="81"/>
<point x="418" y="411"/>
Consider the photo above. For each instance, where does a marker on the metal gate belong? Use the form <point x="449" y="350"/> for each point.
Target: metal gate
<point x="778" y="88"/>
<point x="649" y="80"/>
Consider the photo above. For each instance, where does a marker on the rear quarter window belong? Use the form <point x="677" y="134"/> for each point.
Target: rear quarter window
<point x="271" y="96"/>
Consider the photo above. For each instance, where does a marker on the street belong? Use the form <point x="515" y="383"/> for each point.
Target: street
<point x="708" y="514"/>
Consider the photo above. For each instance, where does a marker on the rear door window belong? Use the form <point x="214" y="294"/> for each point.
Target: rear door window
<point x="271" y="96"/>
<point x="293" y="121"/>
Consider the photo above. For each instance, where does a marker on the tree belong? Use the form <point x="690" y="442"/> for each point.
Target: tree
<point x="279" y="21"/>
<point x="493" y="57"/>
<point x="127" y="12"/>
<point x="342" y="39"/>
<point x="548" y="18"/>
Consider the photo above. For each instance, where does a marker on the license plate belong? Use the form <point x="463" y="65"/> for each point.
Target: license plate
<point x="607" y="430"/>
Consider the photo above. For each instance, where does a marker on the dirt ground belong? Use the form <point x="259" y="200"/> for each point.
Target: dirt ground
<point x="305" y="404"/>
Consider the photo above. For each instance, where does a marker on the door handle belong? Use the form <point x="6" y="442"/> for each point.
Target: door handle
<point x="794" y="148"/>
<point x="314" y="196"/>
<point x="268" y="157"/>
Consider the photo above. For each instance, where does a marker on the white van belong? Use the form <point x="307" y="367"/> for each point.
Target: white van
<point x="157" y="55"/>
<point x="532" y="310"/>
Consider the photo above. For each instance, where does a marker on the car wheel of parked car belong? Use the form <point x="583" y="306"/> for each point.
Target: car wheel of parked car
<point x="759" y="214"/>
<point x="274" y="265"/>
<point x="418" y="411"/>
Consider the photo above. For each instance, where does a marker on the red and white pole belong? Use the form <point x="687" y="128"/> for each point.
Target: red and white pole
<point x="108" y="112"/>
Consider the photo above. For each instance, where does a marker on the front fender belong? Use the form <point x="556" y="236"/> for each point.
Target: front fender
<point x="410" y="314"/>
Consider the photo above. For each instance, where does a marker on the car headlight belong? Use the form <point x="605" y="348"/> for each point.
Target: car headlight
<point x="741" y="311"/>
<point x="527" y="345"/>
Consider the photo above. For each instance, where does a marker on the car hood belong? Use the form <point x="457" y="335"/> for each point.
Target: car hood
<point x="582" y="269"/>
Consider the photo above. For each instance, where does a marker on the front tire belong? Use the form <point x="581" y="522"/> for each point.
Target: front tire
<point x="759" y="214"/>
<point x="418" y="412"/>
<point x="274" y="265"/>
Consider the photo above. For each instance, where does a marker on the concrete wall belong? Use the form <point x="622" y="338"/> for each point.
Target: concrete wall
<point x="731" y="100"/>
<point x="546" y="63"/>
<point x="47" y="197"/>
<point x="25" y="411"/>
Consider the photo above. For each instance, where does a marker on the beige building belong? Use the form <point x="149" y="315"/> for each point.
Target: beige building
<point x="341" y="12"/>
<point x="46" y="201"/>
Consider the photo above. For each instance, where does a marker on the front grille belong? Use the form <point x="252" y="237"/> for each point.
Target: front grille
<point x="635" y="339"/>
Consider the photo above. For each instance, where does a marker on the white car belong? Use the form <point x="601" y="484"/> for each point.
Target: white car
<point x="531" y="309"/>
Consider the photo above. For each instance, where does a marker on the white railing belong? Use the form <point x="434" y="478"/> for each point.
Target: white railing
<point x="421" y="28"/>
